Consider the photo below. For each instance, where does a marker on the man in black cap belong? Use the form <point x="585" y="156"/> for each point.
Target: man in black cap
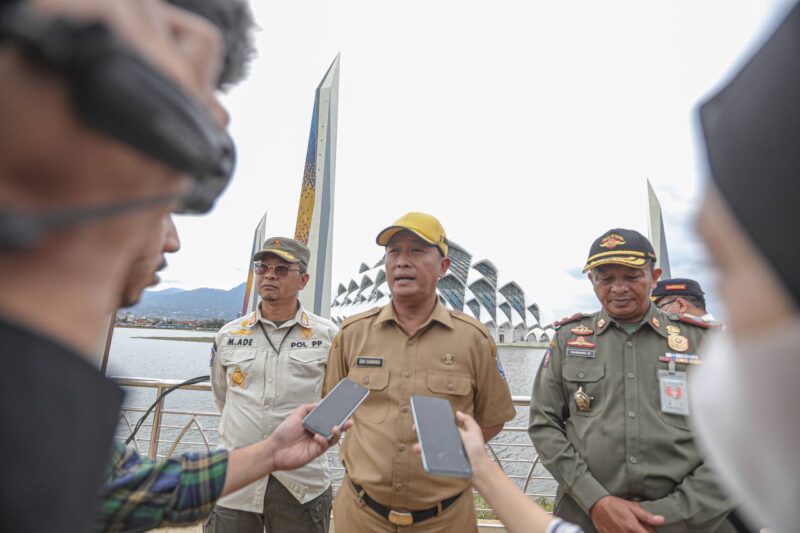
<point x="609" y="412"/>
<point x="682" y="296"/>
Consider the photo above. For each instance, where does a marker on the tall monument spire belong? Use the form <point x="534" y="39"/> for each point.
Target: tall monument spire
<point x="656" y="230"/>
<point x="315" y="214"/>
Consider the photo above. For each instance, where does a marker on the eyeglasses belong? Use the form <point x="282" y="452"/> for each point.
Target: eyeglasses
<point x="280" y="270"/>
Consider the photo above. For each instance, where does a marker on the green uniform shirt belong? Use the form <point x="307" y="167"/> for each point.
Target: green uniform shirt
<point x="623" y="445"/>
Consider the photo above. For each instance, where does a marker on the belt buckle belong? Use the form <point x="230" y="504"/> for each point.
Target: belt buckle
<point x="400" y="518"/>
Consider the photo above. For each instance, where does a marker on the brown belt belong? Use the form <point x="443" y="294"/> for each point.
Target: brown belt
<point x="403" y="518"/>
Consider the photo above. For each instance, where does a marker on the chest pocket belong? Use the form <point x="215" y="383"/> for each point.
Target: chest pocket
<point x="231" y="358"/>
<point x="589" y="378"/>
<point x="306" y="372"/>
<point x="376" y="406"/>
<point x="449" y="384"/>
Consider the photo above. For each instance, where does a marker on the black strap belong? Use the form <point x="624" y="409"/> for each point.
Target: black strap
<point x="417" y="516"/>
<point x="278" y="349"/>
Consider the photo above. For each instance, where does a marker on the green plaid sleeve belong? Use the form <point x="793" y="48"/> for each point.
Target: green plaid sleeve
<point x="142" y="494"/>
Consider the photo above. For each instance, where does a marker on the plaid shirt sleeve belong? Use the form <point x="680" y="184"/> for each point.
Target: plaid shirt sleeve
<point x="141" y="494"/>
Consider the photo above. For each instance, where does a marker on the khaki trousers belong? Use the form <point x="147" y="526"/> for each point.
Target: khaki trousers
<point x="352" y="516"/>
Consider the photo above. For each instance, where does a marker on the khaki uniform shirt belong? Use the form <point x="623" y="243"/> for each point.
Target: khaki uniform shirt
<point x="255" y="388"/>
<point x="452" y="356"/>
<point x="624" y="445"/>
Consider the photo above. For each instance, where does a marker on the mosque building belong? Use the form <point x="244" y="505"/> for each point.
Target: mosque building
<point x="471" y="287"/>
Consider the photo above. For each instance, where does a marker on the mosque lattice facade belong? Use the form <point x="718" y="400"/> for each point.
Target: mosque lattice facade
<point x="471" y="287"/>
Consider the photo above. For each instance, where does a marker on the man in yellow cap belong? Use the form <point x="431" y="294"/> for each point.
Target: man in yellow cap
<point x="610" y="412"/>
<point x="411" y="346"/>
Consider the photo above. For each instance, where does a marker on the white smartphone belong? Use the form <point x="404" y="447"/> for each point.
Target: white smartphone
<point x="335" y="408"/>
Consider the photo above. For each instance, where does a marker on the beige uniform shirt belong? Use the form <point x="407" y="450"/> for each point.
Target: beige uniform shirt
<point x="452" y="356"/>
<point x="623" y="444"/>
<point x="255" y="388"/>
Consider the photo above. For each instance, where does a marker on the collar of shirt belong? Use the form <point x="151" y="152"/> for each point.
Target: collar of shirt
<point x="653" y="318"/>
<point x="301" y="317"/>
<point x="440" y="314"/>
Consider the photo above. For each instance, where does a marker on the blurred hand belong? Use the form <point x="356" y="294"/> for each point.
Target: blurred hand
<point x="293" y="446"/>
<point x="611" y="515"/>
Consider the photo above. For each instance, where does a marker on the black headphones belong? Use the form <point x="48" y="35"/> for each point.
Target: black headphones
<point x="116" y="92"/>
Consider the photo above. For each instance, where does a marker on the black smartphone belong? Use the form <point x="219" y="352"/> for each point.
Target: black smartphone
<point x="442" y="450"/>
<point x="335" y="408"/>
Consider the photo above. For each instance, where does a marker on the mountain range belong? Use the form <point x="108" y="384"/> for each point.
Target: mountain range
<point x="196" y="304"/>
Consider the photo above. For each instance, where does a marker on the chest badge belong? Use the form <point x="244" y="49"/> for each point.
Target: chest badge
<point x="601" y="322"/>
<point x="305" y="332"/>
<point x="447" y="359"/>
<point x="238" y="377"/>
<point x="673" y="330"/>
<point x="582" y="400"/>
<point x="581" y="342"/>
<point x="679" y="343"/>
<point x="582" y="330"/>
<point x="656" y="323"/>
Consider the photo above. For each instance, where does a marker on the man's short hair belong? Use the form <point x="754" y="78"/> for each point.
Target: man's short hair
<point x="234" y="20"/>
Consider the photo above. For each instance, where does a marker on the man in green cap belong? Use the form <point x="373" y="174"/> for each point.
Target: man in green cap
<point x="263" y="366"/>
<point x="610" y="413"/>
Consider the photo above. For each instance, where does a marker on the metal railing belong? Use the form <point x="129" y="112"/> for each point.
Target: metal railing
<point x="167" y="431"/>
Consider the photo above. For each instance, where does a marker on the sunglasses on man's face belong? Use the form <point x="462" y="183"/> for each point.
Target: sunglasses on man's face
<point x="280" y="270"/>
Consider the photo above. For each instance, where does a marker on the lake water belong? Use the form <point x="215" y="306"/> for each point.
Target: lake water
<point x="133" y="355"/>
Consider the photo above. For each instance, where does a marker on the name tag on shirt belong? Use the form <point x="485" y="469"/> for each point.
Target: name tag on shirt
<point x="674" y="392"/>
<point x="580" y="352"/>
<point x="369" y="361"/>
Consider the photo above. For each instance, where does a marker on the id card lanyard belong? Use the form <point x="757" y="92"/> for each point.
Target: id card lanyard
<point x="278" y="349"/>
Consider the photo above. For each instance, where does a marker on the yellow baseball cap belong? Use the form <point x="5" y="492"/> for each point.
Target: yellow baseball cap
<point x="425" y="226"/>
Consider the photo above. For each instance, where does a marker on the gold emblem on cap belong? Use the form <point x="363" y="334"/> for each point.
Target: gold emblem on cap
<point x="678" y="343"/>
<point x="276" y="242"/>
<point x="238" y="377"/>
<point x="612" y="241"/>
<point x="305" y="332"/>
<point x="447" y="359"/>
<point x="601" y="322"/>
<point x="582" y="400"/>
<point x="673" y="330"/>
<point x="582" y="330"/>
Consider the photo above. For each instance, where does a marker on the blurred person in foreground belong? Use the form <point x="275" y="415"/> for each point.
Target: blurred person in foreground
<point x="58" y="287"/>
<point x="744" y="398"/>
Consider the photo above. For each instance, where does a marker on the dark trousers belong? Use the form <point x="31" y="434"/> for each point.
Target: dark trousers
<point x="282" y="514"/>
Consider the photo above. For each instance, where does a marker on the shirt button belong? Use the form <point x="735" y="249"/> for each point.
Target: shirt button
<point x="411" y="343"/>
<point x="398" y="485"/>
<point x="402" y="447"/>
<point x="365" y="381"/>
<point x="405" y="409"/>
<point x="630" y="375"/>
<point x="407" y="374"/>
<point x="629" y="344"/>
<point x="450" y="386"/>
<point x="269" y="380"/>
<point x="631" y="414"/>
<point x="633" y="459"/>
<point x="581" y="374"/>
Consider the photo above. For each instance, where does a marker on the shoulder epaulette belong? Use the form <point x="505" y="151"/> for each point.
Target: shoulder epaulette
<point x="566" y="320"/>
<point x="359" y="316"/>
<point x="695" y="322"/>
<point x="472" y="321"/>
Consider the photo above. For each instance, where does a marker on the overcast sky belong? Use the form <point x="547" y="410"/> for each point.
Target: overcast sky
<point x="528" y="128"/>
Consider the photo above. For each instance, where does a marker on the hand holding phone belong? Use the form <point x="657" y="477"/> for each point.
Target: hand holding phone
<point x="335" y="408"/>
<point x="440" y="444"/>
